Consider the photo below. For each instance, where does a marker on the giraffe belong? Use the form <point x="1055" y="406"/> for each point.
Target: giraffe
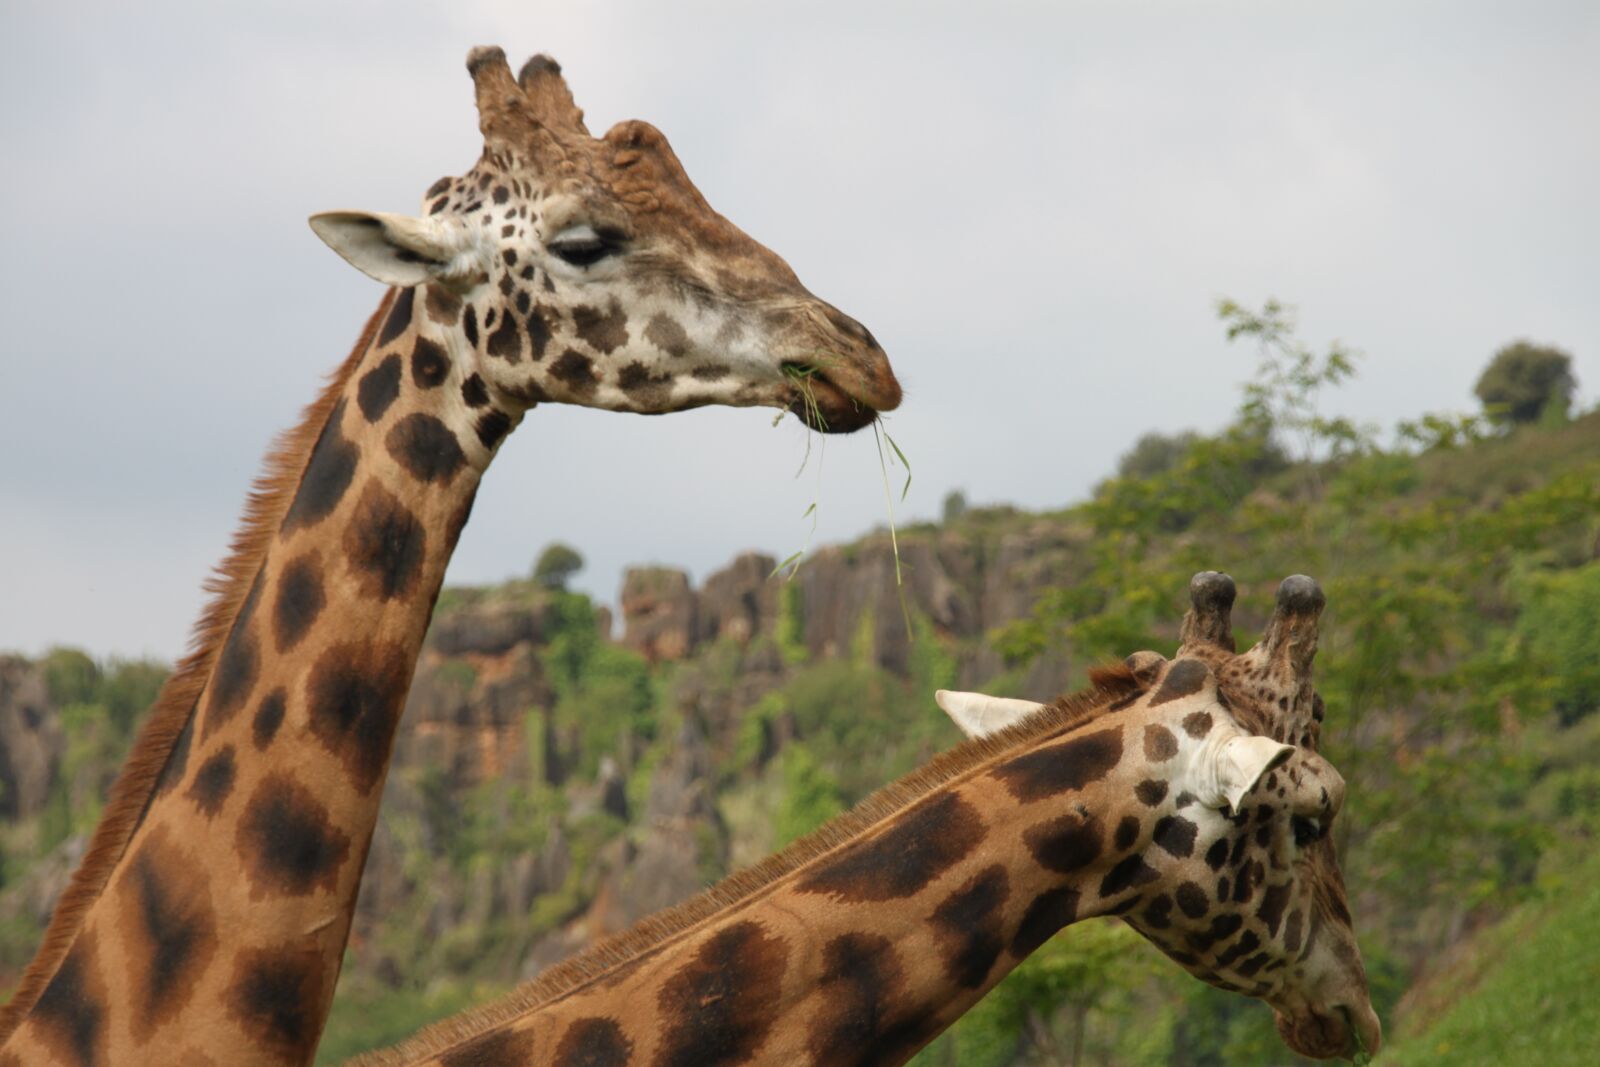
<point x="208" y="919"/>
<point x="1186" y="796"/>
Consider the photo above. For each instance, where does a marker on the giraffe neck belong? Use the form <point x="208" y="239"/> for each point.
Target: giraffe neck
<point x="214" y="928"/>
<point x="866" y="951"/>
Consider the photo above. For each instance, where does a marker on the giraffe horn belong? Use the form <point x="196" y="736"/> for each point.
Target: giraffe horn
<point x="502" y="108"/>
<point x="549" y="97"/>
<point x="1291" y="633"/>
<point x="1209" y="620"/>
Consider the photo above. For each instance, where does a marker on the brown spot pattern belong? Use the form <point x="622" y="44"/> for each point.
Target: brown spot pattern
<point x="299" y="601"/>
<point x="1049" y="912"/>
<point x="593" y="1042"/>
<point x="213" y="782"/>
<point x="666" y="334"/>
<point x="1185" y="678"/>
<point x="170" y="928"/>
<point x="1150" y="792"/>
<point x="923" y="843"/>
<point x="1159" y="744"/>
<point x="354" y="698"/>
<point x="605" y="331"/>
<point x="385" y="544"/>
<point x="237" y="667"/>
<point x="860" y="1022"/>
<point x="426" y="448"/>
<point x="278" y="999"/>
<point x="1067" y="843"/>
<point x="720" y="1006"/>
<point x="288" y="843"/>
<point x="1063" y="767"/>
<point x="70" y="1014"/>
<point x="967" y="924"/>
<point x="576" y="370"/>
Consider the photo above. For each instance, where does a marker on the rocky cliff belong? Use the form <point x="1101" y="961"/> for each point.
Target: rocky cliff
<point x="551" y="783"/>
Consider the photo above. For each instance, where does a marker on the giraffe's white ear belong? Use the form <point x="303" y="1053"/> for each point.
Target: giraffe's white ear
<point x="1236" y="765"/>
<point x="979" y="715"/>
<point x="401" y="249"/>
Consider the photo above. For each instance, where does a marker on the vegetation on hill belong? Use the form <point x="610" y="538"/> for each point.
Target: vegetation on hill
<point x="1460" y="664"/>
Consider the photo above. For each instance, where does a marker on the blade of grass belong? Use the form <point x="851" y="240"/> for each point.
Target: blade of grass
<point x="894" y="536"/>
<point x="793" y="559"/>
<point x="904" y="462"/>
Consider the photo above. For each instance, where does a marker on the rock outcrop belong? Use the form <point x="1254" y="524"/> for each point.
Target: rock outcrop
<point x="31" y="739"/>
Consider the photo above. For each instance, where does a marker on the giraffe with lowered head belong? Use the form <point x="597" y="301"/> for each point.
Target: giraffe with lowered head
<point x="208" y="919"/>
<point x="1186" y="796"/>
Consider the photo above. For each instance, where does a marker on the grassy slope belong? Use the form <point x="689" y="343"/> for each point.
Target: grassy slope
<point x="1525" y="994"/>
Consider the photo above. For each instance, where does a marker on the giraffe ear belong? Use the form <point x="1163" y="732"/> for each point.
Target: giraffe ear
<point x="400" y="249"/>
<point x="1236" y="765"/>
<point x="979" y="715"/>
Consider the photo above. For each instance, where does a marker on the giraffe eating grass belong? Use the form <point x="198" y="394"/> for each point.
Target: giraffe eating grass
<point x="207" y="922"/>
<point x="1186" y="796"/>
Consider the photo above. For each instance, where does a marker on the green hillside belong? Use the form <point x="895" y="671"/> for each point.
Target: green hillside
<point x="1520" y="992"/>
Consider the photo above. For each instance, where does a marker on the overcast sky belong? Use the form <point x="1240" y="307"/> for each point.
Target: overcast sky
<point x="1033" y="206"/>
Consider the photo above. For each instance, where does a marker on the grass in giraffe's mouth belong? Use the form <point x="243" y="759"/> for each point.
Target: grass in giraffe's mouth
<point x="806" y="379"/>
<point x="821" y="403"/>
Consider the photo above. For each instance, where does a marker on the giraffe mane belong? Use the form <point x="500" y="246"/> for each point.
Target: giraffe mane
<point x="228" y="585"/>
<point x="1109" y="685"/>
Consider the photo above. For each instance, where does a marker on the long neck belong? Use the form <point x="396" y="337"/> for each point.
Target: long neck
<point x="867" y="951"/>
<point x="210" y="919"/>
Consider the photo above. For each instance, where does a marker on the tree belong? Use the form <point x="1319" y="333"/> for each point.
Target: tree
<point x="1155" y="453"/>
<point x="955" y="505"/>
<point x="1524" y="381"/>
<point x="557" y="563"/>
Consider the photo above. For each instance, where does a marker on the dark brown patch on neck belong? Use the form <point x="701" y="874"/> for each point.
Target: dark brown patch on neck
<point x="399" y="316"/>
<point x="967" y="923"/>
<point x="1068" y="843"/>
<point x="1063" y="767"/>
<point x="593" y="1042"/>
<point x="327" y="474"/>
<point x="378" y="389"/>
<point x="70" y="1013"/>
<point x="426" y="448"/>
<point x="172" y="931"/>
<point x="278" y="998"/>
<point x="354" y="699"/>
<point x="237" y="667"/>
<point x="924" y="843"/>
<point x="213" y="782"/>
<point x="269" y="716"/>
<point x="287" y="842"/>
<point x="299" y="601"/>
<point x="720" y="1006"/>
<point x="1049" y="912"/>
<point x="861" y="1021"/>
<point x="429" y="365"/>
<point x="385" y="544"/>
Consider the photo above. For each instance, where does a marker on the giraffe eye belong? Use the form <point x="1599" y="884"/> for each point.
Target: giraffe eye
<point x="582" y="246"/>
<point x="1306" y="830"/>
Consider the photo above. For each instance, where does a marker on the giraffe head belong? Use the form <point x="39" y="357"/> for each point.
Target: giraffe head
<point x="1223" y="825"/>
<point x="591" y="271"/>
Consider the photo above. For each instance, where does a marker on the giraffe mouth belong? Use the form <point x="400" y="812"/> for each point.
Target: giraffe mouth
<point x="1339" y="1034"/>
<point x="822" y="404"/>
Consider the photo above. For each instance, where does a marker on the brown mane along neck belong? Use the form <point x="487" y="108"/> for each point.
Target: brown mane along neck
<point x="228" y="586"/>
<point x="1108" y="685"/>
